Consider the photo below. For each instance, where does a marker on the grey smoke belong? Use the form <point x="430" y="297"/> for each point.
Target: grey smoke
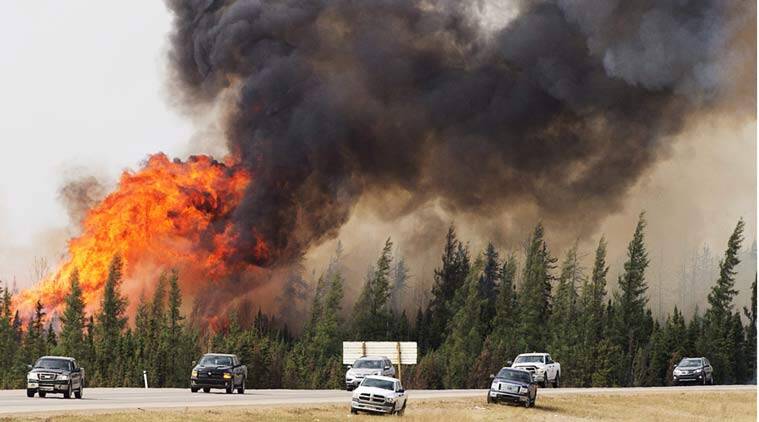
<point x="563" y="109"/>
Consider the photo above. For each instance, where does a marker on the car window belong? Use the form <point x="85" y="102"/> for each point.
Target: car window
<point x="548" y="359"/>
<point x="529" y="359"/>
<point x="48" y="363"/>
<point x="216" y="361"/>
<point x="378" y="383"/>
<point x="368" y="364"/>
<point x="707" y="362"/>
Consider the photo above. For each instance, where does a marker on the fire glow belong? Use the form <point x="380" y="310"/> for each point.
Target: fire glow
<point x="169" y="214"/>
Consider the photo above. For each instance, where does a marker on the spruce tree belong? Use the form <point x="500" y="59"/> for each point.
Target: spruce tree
<point x="719" y="338"/>
<point x="489" y="284"/>
<point x="73" y="321"/>
<point x="751" y="334"/>
<point x="467" y="330"/>
<point x="631" y="305"/>
<point x="111" y="321"/>
<point x="535" y="293"/>
<point x="446" y="281"/>
<point x="371" y="315"/>
<point x="565" y="338"/>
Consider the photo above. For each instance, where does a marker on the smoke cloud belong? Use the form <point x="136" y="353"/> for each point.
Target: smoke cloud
<point x="560" y="110"/>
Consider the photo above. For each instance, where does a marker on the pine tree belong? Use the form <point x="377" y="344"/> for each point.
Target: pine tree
<point x="447" y="280"/>
<point x="400" y="276"/>
<point x="178" y="353"/>
<point x="111" y="321"/>
<point x="535" y="293"/>
<point x="591" y="320"/>
<point x="631" y="303"/>
<point x="73" y="320"/>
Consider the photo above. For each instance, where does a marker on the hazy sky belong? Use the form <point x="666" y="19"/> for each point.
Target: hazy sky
<point x="82" y="86"/>
<point x="83" y="90"/>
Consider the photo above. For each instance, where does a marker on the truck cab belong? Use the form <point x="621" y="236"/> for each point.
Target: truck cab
<point x="543" y="368"/>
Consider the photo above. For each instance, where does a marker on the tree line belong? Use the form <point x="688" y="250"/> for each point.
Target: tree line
<point x="484" y="310"/>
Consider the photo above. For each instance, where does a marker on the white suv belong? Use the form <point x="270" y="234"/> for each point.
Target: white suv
<point x="545" y="370"/>
<point x="365" y="366"/>
<point x="379" y="394"/>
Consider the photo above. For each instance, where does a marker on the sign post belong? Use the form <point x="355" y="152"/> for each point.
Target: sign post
<point x="399" y="352"/>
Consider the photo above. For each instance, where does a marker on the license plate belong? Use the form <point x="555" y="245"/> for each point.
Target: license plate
<point x="46" y="388"/>
<point x="512" y="388"/>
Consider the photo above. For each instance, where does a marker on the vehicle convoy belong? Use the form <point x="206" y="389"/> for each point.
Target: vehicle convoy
<point x="218" y="370"/>
<point x="367" y="365"/>
<point x="695" y="370"/>
<point x="544" y="369"/>
<point x="379" y="394"/>
<point x="55" y="374"/>
<point x="514" y="385"/>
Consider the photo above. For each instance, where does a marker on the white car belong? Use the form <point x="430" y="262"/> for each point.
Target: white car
<point x="545" y="370"/>
<point x="365" y="366"/>
<point x="378" y="394"/>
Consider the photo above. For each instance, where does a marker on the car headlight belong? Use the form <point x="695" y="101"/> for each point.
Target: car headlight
<point x="539" y="370"/>
<point x="390" y="399"/>
<point x="227" y="376"/>
<point x="194" y="373"/>
<point x="523" y="390"/>
<point x="32" y="376"/>
<point x="63" y="377"/>
<point x="494" y="385"/>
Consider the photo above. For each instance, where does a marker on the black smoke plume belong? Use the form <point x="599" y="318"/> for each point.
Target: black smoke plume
<point x="561" y="109"/>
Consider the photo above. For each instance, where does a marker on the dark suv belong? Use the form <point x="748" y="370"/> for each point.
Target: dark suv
<point x="55" y="374"/>
<point x="514" y="385"/>
<point x="693" y="370"/>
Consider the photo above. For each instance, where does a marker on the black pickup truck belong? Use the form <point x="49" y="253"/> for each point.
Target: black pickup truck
<point x="55" y="374"/>
<point x="217" y="370"/>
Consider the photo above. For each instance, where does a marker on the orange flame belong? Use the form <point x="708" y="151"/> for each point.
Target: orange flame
<point x="169" y="214"/>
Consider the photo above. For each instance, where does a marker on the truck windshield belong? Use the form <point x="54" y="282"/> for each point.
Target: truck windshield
<point x="378" y="383"/>
<point x="47" y="363"/>
<point x="512" y="375"/>
<point x="371" y="364"/>
<point x="216" y="361"/>
<point x="529" y="359"/>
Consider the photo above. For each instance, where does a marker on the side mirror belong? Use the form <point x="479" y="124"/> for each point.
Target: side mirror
<point x="492" y="376"/>
<point x="509" y="363"/>
<point x="350" y="366"/>
<point x="387" y="368"/>
<point x="194" y="363"/>
<point x="29" y="367"/>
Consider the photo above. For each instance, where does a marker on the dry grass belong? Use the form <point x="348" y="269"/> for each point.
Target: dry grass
<point x="665" y="406"/>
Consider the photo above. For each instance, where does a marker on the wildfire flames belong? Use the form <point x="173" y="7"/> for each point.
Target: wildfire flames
<point x="170" y="214"/>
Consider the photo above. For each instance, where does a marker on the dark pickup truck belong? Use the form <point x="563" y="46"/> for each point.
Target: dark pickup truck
<point x="217" y="370"/>
<point x="55" y="374"/>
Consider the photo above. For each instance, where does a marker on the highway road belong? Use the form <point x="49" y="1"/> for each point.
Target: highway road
<point x="104" y="399"/>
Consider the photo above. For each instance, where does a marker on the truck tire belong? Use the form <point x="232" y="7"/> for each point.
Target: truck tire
<point x="557" y="380"/>
<point x="402" y="411"/>
<point x="490" y="399"/>
<point x="230" y="388"/>
<point x="78" y="393"/>
<point x="29" y="392"/>
<point x="206" y="389"/>
<point x="193" y="389"/>
<point x="42" y="394"/>
<point x="67" y="393"/>
<point x="241" y="387"/>
<point x="354" y="411"/>
<point x="543" y="383"/>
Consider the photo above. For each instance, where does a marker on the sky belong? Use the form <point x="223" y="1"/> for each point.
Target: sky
<point x="83" y="91"/>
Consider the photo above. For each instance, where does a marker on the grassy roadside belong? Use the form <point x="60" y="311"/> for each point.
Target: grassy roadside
<point x="674" y="406"/>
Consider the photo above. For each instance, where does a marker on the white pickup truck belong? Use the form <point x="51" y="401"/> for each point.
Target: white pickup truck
<point x="544" y="369"/>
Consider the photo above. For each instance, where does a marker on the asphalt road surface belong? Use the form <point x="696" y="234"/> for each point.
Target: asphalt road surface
<point x="103" y="399"/>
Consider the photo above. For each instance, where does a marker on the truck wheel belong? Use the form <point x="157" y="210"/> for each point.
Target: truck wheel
<point x="402" y="411"/>
<point x="556" y="381"/>
<point x="354" y="411"/>
<point x="29" y="392"/>
<point x="193" y="389"/>
<point x="206" y="389"/>
<point x="542" y="384"/>
<point x="527" y="404"/>
<point x="241" y="388"/>
<point x="42" y="394"/>
<point x="230" y="388"/>
<point x="78" y="393"/>
<point x="490" y="399"/>
<point x="67" y="393"/>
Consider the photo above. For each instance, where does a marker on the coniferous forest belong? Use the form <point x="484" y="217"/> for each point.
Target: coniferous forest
<point x="485" y="308"/>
